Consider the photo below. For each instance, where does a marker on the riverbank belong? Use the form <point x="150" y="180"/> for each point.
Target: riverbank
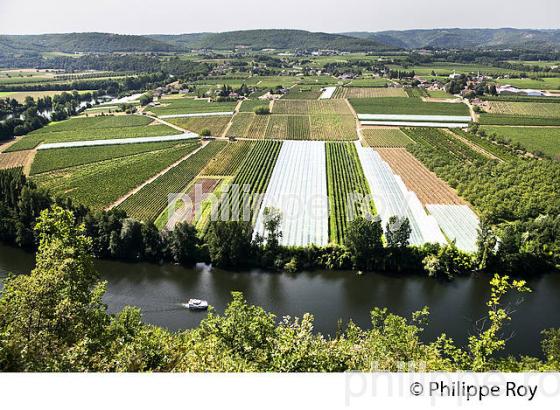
<point x="329" y="295"/>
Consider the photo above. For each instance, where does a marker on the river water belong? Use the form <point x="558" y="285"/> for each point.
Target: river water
<point x="455" y="306"/>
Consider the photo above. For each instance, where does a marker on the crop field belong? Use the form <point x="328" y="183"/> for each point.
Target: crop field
<point x="298" y="189"/>
<point x="216" y="125"/>
<point x="303" y="107"/>
<point x="228" y="161"/>
<point x="444" y="142"/>
<point x="252" y="105"/>
<point x="54" y="159"/>
<point x="385" y="137"/>
<point x="326" y="127"/>
<point x="187" y="212"/>
<point x="99" y="185"/>
<point x="532" y="109"/>
<point x="14" y="159"/>
<point x="368" y="92"/>
<point x="255" y="172"/>
<point x="344" y="177"/>
<point x="407" y="106"/>
<point x="184" y="105"/>
<point x="543" y="139"/>
<point x="93" y="128"/>
<point x="240" y="124"/>
<point x="393" y="198"/>
<point x="491" y="148"/>
<point x="518" y="120"/>
<point x="459" y="223"/>
<point x="148" y="203"/>
<point x="424" y="183"/>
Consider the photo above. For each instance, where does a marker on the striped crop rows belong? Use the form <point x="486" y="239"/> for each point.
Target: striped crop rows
<point x="344" y="177"/>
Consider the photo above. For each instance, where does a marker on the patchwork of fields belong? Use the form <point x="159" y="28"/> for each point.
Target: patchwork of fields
<point x="98" y="185"/>
<point x="321" y="120"/>
<point x="297" y="158"/>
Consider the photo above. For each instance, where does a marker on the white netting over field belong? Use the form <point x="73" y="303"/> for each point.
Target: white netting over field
<point x="298" y="188"/>
<point x="392" y="198"/>
<point x="459" y="223"/>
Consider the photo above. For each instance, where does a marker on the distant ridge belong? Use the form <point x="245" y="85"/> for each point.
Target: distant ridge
<point x="253" y="39"/>
<point x="466" y="38"/>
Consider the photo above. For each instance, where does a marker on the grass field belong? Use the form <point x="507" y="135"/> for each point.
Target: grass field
<point x="368" y="92"/>
<point x="148" y="203"/>
<point x="369" y="82"/>
<point x="216" y="125"/>
<point x="406" y="106"/>
<point x="21" y="95"/>
<point x="184" y="105"/>
<point x="385" y="137"/>
<point x="439" y="94"/>
<point x="445" y="69"/>
<point x="93" y="128"/>
<point x="547" y="83"/>
<point x="252" y="105"/>
<point x="542" y="139"/>
<point x="303" y="93"/>
<point x="99" y="185"/>
<point x="54" y="159"/>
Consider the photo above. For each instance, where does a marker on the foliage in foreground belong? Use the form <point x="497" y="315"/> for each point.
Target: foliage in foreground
<point x="54" y="320"/>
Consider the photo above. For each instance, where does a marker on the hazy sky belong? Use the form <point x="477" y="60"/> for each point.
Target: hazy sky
<point x="190" y="16"/>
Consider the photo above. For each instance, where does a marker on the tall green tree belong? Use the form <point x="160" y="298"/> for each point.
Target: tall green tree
<point x="364" y="240"/>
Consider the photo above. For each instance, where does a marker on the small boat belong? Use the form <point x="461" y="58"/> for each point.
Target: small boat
<point x="196" y="304"/>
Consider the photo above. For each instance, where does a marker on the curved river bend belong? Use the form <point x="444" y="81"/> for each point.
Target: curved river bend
<point x="329" y="296"/>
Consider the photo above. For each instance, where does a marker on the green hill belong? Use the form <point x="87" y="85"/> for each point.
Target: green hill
<point x="81" y="42"/>
<point x="277" y="39"/>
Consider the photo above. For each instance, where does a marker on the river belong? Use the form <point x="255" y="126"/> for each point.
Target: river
<point x="455" y="306"/>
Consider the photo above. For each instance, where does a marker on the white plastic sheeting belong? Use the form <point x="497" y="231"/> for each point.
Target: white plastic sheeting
<point x="459" y="223"/>
<point x="392" y="198"/>
<point x="118" y="141"/>
<point x="198" y="114"/>
<point x="414" y="118"/>
<point x="416" y="124"/>
<point x="298" y="188"/>
<point x="327" y="93"/>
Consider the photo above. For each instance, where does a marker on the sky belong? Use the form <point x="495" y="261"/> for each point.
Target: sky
<point x="188" y="16"/>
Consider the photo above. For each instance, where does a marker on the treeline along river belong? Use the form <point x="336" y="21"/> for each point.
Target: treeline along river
<point x="455" y="306"/>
